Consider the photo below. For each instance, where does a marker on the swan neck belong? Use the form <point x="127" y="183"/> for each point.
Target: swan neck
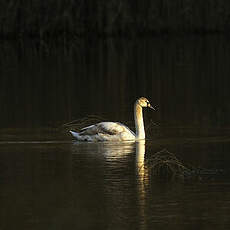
<point x="139" y="123"/>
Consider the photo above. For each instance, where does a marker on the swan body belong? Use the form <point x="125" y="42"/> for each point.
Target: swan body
<point x="115" y="131"/>
<point x="105" y="131"/>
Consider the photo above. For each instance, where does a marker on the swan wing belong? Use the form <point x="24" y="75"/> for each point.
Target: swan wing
<point x="110" y="128"/>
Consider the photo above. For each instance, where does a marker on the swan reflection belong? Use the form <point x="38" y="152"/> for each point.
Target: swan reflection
<point x="107" y="149"/>
<point x="116" y="155"/>
<point x="116" y="173"/>
<point x="116" y="152"/>
<point x="142" y="181"/>
<point x="140" y="159"/>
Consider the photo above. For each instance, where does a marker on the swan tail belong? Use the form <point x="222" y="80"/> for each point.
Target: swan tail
<point x="74" y="134"/>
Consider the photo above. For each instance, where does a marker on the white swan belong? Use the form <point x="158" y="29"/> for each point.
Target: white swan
<point x="115" y="131"/>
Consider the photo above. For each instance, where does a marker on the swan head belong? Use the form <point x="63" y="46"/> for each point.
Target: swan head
<point x="144" y="102"/>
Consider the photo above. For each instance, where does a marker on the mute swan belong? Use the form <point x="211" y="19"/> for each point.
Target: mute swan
<point x="115" y="131"/>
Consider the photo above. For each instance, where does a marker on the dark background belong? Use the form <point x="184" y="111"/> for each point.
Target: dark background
<point x="70" y="18"/>
<point x="63" y="60"/>
<point x="185" y="77"/>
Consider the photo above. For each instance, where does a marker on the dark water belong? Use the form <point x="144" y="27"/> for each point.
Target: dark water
<point x="48" y="181"/>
